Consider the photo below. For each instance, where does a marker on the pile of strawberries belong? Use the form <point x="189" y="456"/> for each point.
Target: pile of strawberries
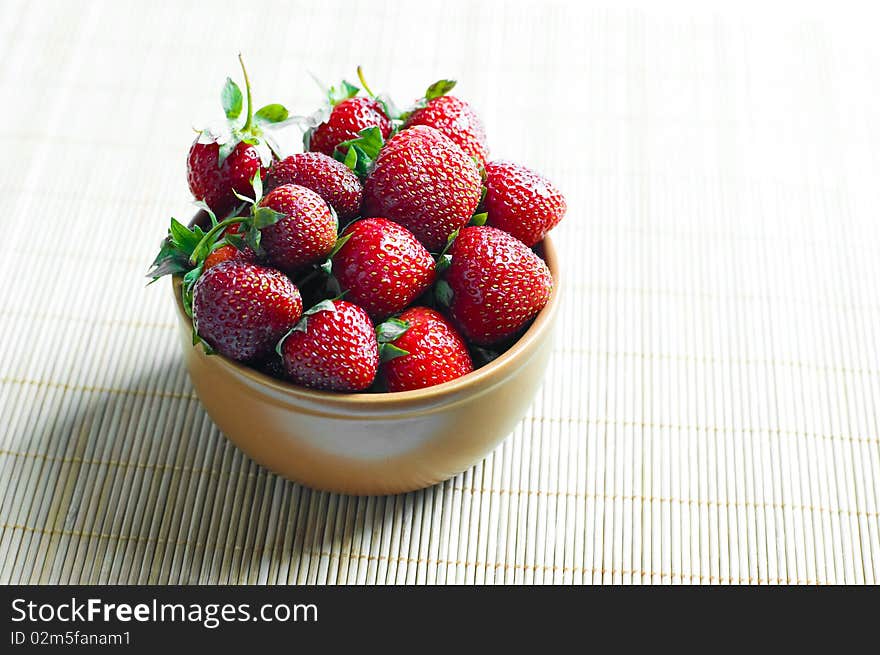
<point x="412" y="251"/>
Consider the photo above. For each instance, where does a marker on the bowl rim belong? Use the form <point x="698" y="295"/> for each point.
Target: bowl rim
<point x="472" y="381"/>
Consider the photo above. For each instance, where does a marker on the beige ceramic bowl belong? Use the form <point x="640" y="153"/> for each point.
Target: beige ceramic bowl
<point x="373" y="443"/>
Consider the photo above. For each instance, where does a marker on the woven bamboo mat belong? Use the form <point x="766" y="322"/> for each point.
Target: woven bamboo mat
<point x="711" y="410"/>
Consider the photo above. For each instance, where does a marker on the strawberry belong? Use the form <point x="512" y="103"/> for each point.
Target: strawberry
<point x="215" y="179"/>
<point x="453" y="117"/>
<point x="227" y="252"/>
<point x="330" y="179"/>
<point x="333" y="347"/>
<point x="521" y="202"/>
<point x="382" y="266"/>
<point x="496" y="285"/>
<point x="425" y="182"/>
<point x="242" y="309"/>
<point x="223" y="162"/>
<point x="427" y="350"/>
<point x="345" y="122"/>
<point x="306" y="232"/>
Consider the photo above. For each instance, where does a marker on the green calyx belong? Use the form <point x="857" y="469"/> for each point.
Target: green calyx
<point x="388" y="351"/>
<point x="391" y="329"/>
<point x="439" y="88"/>
<point x="443" y="293"/>
<point x="252" y="131"/>
<point x="184" y="250"/>
<point x="259" y="218"/>
<point x="327" y="266"/>
<point x="444" y="259"/>
<point x="436" y="90"/>
<point x="387" y="332"/>
<point x="343" y="92"/>
<point x="359" y="154"/>
<point x="479" y="219"/>
<point x="196" y="340"/>
<point x="303" y="324"/>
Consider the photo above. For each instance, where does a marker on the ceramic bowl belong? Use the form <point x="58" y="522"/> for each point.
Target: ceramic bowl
<point x="376" y="443"/>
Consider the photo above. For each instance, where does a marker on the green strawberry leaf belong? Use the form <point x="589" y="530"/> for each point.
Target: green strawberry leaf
<point x="439" y="88"/>
<point x="351" y="159"/>
<point x="196" y="340"/>
<point x="362" y="151"/>
<point x="186" y="290"/>
<point x="252" y="238"/>
<point x="264" y="217"/>
<point x="443" y="293"/>
<point x="243" y="198"/>
<point x="345" y="91"/>
<point x="479" y="219"/>
<point x="273" y="113"/>
<point x="257" y="186"/>
<point x="302" y="325"/>
<point x="235" y="240"/>
<point x="295" y="328"/>
<point x="341" y="241"/>
<point x="449" y="241"/>
<point x="323" y="306"/>
<point x="369" y="140"/>
<point x="189" y="280"/>
<point x="184" y="238"/>
<point x="391" y="329"/>
<point x="356" y="159"/>
<point x="224" y="150"/>
<point x="176" y="250"/>
<point x="388" y="351"/>
<point x="363" y="161"/>
<point x="443" y="262"/>
<point x="231" y="99"/>
<point x="169" y="266"/>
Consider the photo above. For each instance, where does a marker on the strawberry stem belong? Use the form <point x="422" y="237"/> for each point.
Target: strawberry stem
<point x="247" y="85"/>
<point x="208" y="239"/>
<point x="364" y="82"/>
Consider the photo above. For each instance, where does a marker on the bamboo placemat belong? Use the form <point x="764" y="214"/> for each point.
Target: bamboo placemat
<point x="711" y="410"/>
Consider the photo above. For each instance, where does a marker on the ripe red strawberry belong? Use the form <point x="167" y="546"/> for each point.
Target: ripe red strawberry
<point x="223" y="162"/>
<point x="425" y="182"/>
<point x="305" y="235"/>
<point x="330" y="179"/>
<point x="382" y="266"/>
<point x="242" y="309"/>
<point x="334" y="347"/>
<point x="345" y="121"/>
<point x="456" y="119"/>
<point x="435" y="352"/>
<point x="497" y="285"/>
<point x="521" y="202"/>
<point x="214" y="180"/>
<point x="228" y="253"/>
